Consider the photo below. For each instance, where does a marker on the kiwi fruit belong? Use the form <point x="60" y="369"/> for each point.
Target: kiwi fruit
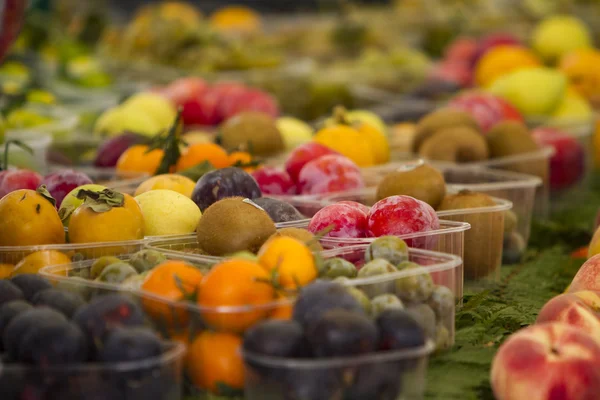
<point x="423" y="182"/>
<point x="252" y="131"/>
<point x="479" y="260"/>
<point x="440" y="119"/>
<point x="458" y="144"/>
<point x="232" y="225"/>
<point x="303" y="235"/>
<point x="510" y="138"/>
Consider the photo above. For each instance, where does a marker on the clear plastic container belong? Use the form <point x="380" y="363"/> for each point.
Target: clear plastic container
<point x="402" y="372"/>
<point x="21" y="158"/>
<point x="121" y="181"/>
<point x="12" y="255"/>
<point x="158" y="378"/>
<point x="483" y="242"/>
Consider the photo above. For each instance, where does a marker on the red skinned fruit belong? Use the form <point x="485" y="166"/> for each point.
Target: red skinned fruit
<point x="339" y="220"/>
<point x="303" y="154"/>
<point x="16" y="179"/>
<point x="486" y="108"/>
<point x="61" y="183"/>
<point x="109" y="152"/>
<point x="329" y="174"/>
<point x="275" y="181"/>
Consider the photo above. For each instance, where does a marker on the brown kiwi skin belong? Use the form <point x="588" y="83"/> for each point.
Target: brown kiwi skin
<point x="480" y="259"/>
<point x="424" y="183"/>
<point x="458" y="144"/>
<point x="252" y="131"/>
<point x="510" y="138"/>
<point x="233" y="224"/>
<point x="302" y="235"/>
<point x="441" y="119"/>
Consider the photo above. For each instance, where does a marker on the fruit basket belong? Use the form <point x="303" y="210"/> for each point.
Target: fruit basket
<point x="482" y="243"/>
<point x="30" y="259"/>
<point x="158" y="377"/>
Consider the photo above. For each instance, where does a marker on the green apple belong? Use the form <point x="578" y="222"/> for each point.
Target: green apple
<point x="156" y="106"/>
<point x="294" y="132"/>
<point x="117" y="120"/>
<point x="71" y="202"/>
<point x="534" y="91"/>
<point x="573" y="107"/>
<point x="167" y="212"/>
<point x="560" y="34"/>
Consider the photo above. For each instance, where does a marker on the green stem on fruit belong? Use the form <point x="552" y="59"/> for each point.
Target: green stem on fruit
<point x="17" y="143"/>
<point x="43" y="191"/>
<point x="101" y="201"/>
<point x="169" y="144"/>
<point x="197" y="171"/>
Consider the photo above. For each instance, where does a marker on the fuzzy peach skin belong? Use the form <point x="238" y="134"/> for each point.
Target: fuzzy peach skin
<point x="588" y="276"/>
<point x="578" y="309"/>
<point x="549" y="361"/>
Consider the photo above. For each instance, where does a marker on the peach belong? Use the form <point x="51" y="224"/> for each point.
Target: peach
<point x="545" y="362"/>
<point x="576" y="309"/>
<point x="588" y="276"/>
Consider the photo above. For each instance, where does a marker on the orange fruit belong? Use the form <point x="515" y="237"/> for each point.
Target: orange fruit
<point x="283" y="311"/>
<point x="292" y="259"/>
<point x="6" y="270"/>
<point x="214" y="359"/>
<point x="119" y="223"/>
<point x="27" y="218"/>
<point x="236" y="19"/>
<point x="172" y="281"/>
<point x="200" y="152"/>
<point x="235" y="283"/>
<point x="242" y="157"/>
<point x="177" y="183"/>
<point x="581" y="68"/>
<point x="138" y="159"/>
<point x="40" y="259"/>
<point x="501" y="60"/>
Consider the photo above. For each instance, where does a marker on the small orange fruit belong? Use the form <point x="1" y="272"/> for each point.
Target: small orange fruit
<point x="177" y="183"/>
<point x="242" y="158"/>
<point x="581" y="67"/>
<point x="349" y="142"/>
<point x="172" y="281"/>
<point x="501" y="60"/>
<point x="200" y="152"/>
<point x="235" y="283"/>
<point x="6" y="270"/>
<point x="138" y="159"/>
<point x="291" y="259"/>
<point x="236" y="19"/>
<point x="215" y="359"/>
<point x="34" y="262"/>
<point x="283" y="311"/>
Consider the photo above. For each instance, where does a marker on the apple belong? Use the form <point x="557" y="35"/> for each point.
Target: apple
<point x="547" y="361"/>
<point x="579" y="309"/>
<point x="452" y="71"/>
<point x="567" y="165"/>
<point x="588" y="276"/>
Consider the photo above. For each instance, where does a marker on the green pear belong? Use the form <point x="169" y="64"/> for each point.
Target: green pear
<point x="294" y="132"/>
<point x="534" y="91"/>
<point x="159" y="108"/>
<point x="573" y="107"/>
<point x="558" y="35"/>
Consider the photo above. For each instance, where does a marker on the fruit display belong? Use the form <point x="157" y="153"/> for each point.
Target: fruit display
<point x="48" y="331"/>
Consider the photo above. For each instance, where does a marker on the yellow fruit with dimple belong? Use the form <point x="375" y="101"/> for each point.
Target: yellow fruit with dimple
<point x="348" y="142"/>
<point x="167" y="212"/>
<point x="177" y="183"/>
<point x="501" y="60"/>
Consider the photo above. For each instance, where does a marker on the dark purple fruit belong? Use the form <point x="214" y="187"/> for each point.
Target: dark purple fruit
<point x="279" y="210"/>
<point x="130" y="344"/>
<point x="110" y="151"/>
<point x="276" y="338"/>
<point x="341" y="333"/>
<point x="25" y="322"/>
<point x="106" y="313"/>
<point x="226" y="182"/>
<point x="12" y="383"/>
<point x="8" y="311"/>
<point x="399" y="330"/>
<point x="88" y="388"/>
<point x="318" y="298"/>
<point x="64" y="302"/>
<point x="53" y="344"/>
<point x="314" y="384"/>
<point x="9" y="292"/>
<point x="381" y="381"/>
<point x="30" y="284"/>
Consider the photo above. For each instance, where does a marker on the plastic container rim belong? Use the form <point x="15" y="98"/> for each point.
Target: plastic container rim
<point x="175" y="351"/>
<point x="444" y="262"/>
<point x="340" y="362"/>
<point x="71" y="246"/>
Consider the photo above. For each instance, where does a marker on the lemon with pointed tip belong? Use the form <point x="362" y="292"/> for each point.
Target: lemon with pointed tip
<point x="167" y="212"/>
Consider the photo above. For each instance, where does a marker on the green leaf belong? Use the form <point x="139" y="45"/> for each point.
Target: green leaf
<point x="197" y="171"/>
<point x="169" y="143"/>
<point x="43" y="191"/>
<point x="101" y="201"/>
